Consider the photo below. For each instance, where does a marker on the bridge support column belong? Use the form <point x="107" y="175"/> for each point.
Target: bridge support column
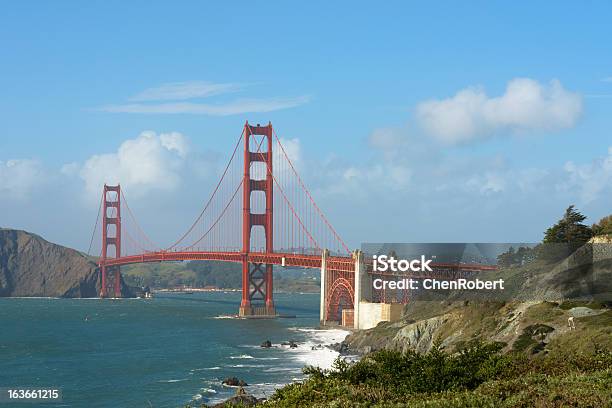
<point x="257" y="278"/>
<point x="111" y="237"/>
<point x="359" y="281"/>
<point x="323" y="306"/>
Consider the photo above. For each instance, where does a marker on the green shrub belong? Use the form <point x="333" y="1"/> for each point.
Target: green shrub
<point x="478" y="376"/>
<point x="526" y="340"/>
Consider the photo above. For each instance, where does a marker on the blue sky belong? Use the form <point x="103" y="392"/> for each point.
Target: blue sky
<point x="411" y="112"/>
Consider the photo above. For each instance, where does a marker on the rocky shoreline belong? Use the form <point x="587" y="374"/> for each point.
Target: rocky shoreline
<point x="245" y="398"/>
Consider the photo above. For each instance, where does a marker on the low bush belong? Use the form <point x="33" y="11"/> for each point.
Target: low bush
<point x="477" y="376"/>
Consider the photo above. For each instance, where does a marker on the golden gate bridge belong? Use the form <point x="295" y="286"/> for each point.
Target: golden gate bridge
<point x="259" y="214"/>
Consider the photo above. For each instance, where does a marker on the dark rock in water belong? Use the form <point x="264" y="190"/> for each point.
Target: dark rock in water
<point x="290" y="344"/>
<point x="342" y="348"/>
<point x="266" y="344"/>
<point x="240" y="401"/>
<point x="32" y="266"/>
<point x="234" y="382"/>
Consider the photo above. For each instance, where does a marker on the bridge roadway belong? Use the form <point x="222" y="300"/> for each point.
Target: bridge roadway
<point x="336" y="263"/>
<point x="332" y="263"/>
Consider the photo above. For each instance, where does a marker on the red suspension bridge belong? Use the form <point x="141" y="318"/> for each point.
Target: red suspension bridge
<point x="260" y="214"/>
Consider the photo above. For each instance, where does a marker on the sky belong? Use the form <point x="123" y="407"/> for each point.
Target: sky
<point x="410" y="121"/>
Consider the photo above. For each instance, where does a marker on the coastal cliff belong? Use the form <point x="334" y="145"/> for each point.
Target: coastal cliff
<point x="32" y="266"/>
<point x="545" y="295"/>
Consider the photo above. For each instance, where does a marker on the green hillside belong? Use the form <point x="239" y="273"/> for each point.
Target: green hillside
<point x="225" y="275"/>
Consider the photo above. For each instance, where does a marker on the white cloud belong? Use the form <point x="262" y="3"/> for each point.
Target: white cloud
<point x="239" y="106"/>
<point x="149" y="161"/>
<point x="607" y="79"/>
<point x="293" y="150"/>
<point x="70" y="169"/>
<point x="18" y="177"/>
<point x="176" y="91"/>
<point x="175" y="142"/>
<point x="487" y="183"/>
<point x="526" y="105"/>
<point x="590" y="180"/>
<point x="386" y="139"/>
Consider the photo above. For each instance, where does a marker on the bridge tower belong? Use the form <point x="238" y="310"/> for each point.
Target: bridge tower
<point x="257" y="277"/>
<point x="111" y="237"/>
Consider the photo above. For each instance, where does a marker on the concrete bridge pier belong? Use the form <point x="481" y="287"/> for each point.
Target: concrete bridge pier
<point x="359" y="269"/>
<point x="323" y="307"/>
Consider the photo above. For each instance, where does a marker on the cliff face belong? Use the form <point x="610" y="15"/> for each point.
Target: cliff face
<point x="32" y="266"/>
<point x="545" y="296"/>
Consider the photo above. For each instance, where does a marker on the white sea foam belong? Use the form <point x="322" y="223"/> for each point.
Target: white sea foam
<point x="281" y="369"/>
<point x="245" y="365"/>
<point x="258" y="390"/>
<point x="251" y="346"/>
<point x="173" y="380"/>
<point x="319" y="339"/>
<point x="241" y="356"/>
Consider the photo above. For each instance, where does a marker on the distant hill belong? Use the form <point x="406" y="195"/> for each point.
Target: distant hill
<point x="32" y="266"/>
<point x="225" y="275"/>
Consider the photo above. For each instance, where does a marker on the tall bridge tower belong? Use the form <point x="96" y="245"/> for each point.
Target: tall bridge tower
<point x="111" y="238"/>
<point x="257" y="277"/>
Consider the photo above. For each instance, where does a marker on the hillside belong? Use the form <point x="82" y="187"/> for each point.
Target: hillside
<point x="535" y="314"/>
<point x="32" y="266"/>
<point x="225" y="275"/>
<point x="513" y="352"/>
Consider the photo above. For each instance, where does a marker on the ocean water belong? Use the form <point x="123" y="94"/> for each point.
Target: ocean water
<point x="167" y="351"/>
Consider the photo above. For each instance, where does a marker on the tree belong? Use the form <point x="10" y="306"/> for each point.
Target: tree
<point x="513" y="257"/>
<point x="569" y="230"/>
<point x="603" y="227"/>
<point x="506" y="258"/>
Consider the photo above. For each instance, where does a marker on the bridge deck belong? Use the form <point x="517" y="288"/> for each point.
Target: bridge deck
<point x="338" y="263"/>
<point x="333" y="263"/>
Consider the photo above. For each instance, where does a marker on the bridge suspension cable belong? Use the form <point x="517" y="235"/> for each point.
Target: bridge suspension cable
<point x="154" y="246"/>
<point x="210" y="200"/>
<point x="310" y="198"/>
<point x="93" y="233"/>
<point x="299" y="226"/>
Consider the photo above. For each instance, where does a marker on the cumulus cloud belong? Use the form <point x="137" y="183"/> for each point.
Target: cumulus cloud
<point x="591" y="179"/>
<point x="18" y="177"/>
<point x="176" y="91"/>
<point x="389" y="175"/>
<point x="526" y="105"/>
<point x="150" y="161"/>
<point x="386" y="139"/>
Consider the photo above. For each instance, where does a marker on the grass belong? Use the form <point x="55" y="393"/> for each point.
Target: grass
<point x="591" y="304"/>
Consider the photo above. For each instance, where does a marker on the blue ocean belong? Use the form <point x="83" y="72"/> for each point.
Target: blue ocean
<point x="169" y="351"/>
